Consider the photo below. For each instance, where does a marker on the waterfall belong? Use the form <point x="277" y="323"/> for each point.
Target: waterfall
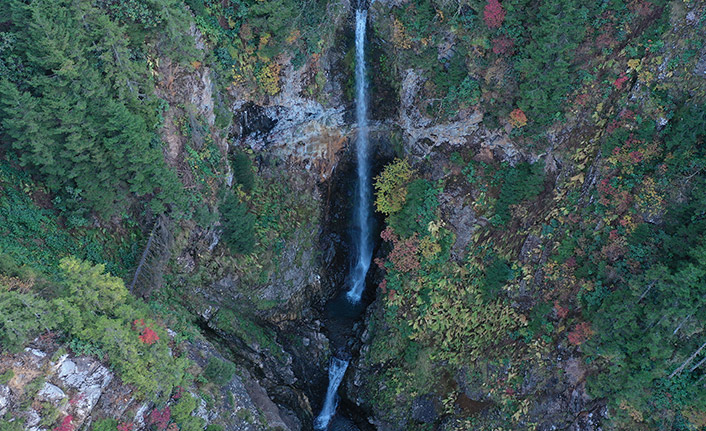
<point x="362" y="205"/>
<point x="335" y="375"/>
<point x="363" y="241"/>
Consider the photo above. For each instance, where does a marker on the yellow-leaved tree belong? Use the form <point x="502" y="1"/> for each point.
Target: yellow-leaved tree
<point x="391" y="186"/>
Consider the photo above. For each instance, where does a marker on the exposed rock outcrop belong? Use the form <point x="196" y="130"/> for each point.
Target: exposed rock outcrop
<point x="48" y="384"/>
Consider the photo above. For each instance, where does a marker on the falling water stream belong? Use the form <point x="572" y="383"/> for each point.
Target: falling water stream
<point x="362" y="239"/>
<point x="335" y="374"/>
<point x="363" y="242"/>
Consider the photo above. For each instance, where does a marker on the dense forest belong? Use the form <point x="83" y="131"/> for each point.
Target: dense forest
<point x="171" y="177"/>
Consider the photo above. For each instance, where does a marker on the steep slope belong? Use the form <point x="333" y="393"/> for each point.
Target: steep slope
<point x="530" y="279"/>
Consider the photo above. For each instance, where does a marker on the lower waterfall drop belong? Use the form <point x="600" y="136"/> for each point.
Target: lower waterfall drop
<point x="335" y="376"/>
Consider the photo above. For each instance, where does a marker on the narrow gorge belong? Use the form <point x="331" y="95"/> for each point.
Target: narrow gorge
<point x="362" y="237"/>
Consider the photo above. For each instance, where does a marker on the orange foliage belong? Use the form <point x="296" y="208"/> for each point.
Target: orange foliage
<point x="518" y="118"/>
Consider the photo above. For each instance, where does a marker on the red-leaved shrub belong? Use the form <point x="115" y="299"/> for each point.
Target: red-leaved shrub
<point x="493" y="14"/>
<point x="561" y="312"/>
<point x="518" y="118"/>
<point x="580" y="333"/>
<point x="148" y="336"/>
<point x="66" y="424"/>
<point x="160" y="418"/>
<point x="618" y="83"/>
<point x="404" y="251"/>
<point x="503" y="45"/>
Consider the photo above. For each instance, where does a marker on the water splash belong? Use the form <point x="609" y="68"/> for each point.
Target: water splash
<point x="335" y="376"/>
<point x="363" y="241"/>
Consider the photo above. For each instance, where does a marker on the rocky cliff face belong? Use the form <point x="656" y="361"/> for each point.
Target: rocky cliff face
<point x="267" y="314"/>
<point x="46" y="383"/>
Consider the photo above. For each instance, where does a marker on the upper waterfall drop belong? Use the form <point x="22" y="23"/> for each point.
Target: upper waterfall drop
<point x="362" y="204"/>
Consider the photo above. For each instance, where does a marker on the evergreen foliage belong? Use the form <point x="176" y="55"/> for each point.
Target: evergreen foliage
<point x="181" y="414"/>
<point x="94" y="310"/>
<point x="218" y="371"/>
<point x="90" y="288"/>
<point x="418" y="211"/>
<point x="243" y="170"/>
<point x="649" y="328"/>
<point x="22" y="316"/>
<point x="83" y="114"/>
<point x="34" y="238"/>
<point x="517" y="184"/>
<point x="105" y="425"/>
<point x="497" y="273"/>
<point x="238" y="226"/>
<point x="6" y="377"/>
<point x="544" y="62"/>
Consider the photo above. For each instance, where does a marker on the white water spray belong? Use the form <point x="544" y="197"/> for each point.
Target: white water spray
<point x="363" y="242"/>
<point x="335" y="376"/>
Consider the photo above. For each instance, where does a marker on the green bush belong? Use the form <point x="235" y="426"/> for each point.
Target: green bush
<point x="6" y="376"/>
<point x="12" y="424"/>
<point x="181" y="414"/>
<point x="105" y="425"/>
<point x="497" y="273"/>
<point x="243" y="170"/>
<point x="88" y="286"/>
<point x="10" y="268"/>
<point x="418" y="211"/>
<point x="22" y="316"/>
<point x="238" y="226"/>
<point x="462" y="96"/>
<point x="391" y="186"/>
<point x="219" y="372"/>
<point x="520" y="183"/>
<point x="21" y="219"/>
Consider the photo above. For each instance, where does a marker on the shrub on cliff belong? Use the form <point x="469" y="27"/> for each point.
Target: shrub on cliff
<point x="390" y="186"/>
<point x="22" y="316"/>
<point x="181" y="413"/>
<point x="218" y="371"/>
<point x="242" y="170"/>
<point x="238" y="226"/>
<point x="105" y="425"/>
<point x="520" y="183"/>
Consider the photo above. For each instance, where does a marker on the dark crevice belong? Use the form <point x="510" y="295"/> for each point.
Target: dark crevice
<point x="344" y="324"/>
